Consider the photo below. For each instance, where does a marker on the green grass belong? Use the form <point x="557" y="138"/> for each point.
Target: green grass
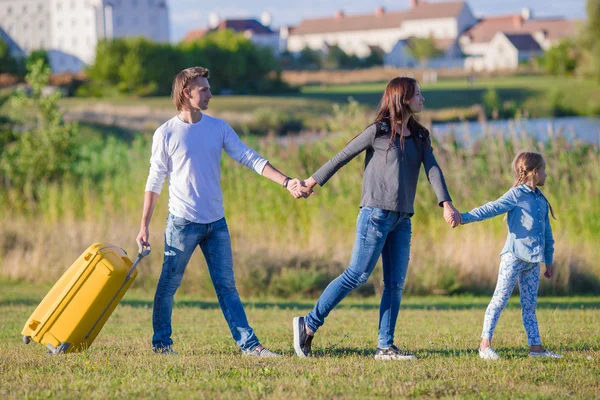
<point x="528" y="92"/>
<point x="442" y="331"/>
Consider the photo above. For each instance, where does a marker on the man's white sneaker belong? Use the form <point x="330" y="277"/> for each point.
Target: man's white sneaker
<point x="545" y="353"/>
<point x="488" y="354"/>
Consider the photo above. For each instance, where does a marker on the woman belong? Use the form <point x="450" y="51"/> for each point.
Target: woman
<point x="396" y="145"/>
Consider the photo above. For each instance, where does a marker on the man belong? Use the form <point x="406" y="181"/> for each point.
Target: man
<point x="187" y="149"/>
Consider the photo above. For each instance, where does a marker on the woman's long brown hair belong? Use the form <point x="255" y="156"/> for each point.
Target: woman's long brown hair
<point x="394" y="108"/>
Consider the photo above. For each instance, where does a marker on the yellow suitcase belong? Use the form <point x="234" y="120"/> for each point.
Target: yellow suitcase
<point x="74" y="311"/>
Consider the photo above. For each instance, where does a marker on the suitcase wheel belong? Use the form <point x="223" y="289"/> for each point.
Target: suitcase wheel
<point x="26" y="339"/>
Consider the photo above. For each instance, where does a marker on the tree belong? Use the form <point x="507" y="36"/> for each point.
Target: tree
<point x="310" y="58"/>
<point x="562" y="58"/>
<point x="589" y="43"/>
<point x="47" y="147"/>
<point x="423" y="49"/>
<point x="36" y="55"/>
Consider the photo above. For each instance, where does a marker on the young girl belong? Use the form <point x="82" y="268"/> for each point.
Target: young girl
<point x="529" y="241"/>
<point x="396" y="145"/>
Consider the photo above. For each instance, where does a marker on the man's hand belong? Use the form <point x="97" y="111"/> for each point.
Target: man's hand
<point x="451" y="214"/>
<point x="299" y="188"/>
<point x="143" y="236"/>
<point x="549" y="271"/>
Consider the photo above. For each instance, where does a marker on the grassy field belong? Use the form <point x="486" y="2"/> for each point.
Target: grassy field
<point x="534" y="93"/>
<point x="442" y="331"/>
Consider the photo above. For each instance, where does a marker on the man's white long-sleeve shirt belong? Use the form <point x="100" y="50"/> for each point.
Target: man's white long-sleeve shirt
<point x="189" y="155"/>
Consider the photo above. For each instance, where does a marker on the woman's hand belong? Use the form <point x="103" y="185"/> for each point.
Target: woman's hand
<point x="451" y="214"/>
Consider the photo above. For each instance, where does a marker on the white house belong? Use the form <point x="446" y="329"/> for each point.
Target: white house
<point x="482" y="43"/>
<point x="442" y="21"/>
<point x="504" y="52"/>
<point x="69" y="30"/>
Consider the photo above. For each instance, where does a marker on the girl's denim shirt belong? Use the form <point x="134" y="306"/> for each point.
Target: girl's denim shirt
<point x="529" y="231"/>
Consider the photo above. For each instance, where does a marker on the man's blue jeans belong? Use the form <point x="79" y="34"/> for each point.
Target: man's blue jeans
<point x="181" y="239"/>
<point x="378" y="232"/>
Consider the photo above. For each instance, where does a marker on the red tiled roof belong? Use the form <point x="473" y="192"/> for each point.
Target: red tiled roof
<point x="238" y="25"/>
<point x="194" y="34"/>
<point x="379" y="20"/>
<point x="485" y="30"/>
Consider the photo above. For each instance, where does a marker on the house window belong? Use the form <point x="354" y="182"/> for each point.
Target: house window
<point x="24" y="9"/>
<point x="73" y="23"/>
<point x="73" y="5"/>
<point x="150" y="3"/>
<point x="40" y="7"/>
<point x="118" y="21"/>
<point x="134" y="3"/>
<point x="58" y="6"/>
<point x="59" y="24"/>
<point x="41" y="25"/>
<point x="25" y="26"/>
<point x="74" y="42"/>
<point x="42" y="44"/>
<point x="135" y="20"/>
<point x="9" y="10"/>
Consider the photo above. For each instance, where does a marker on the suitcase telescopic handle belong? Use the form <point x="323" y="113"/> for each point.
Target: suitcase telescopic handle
<point x="143" y="251"/>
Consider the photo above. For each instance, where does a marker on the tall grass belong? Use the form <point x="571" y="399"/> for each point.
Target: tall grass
<point x="293" y="247"/>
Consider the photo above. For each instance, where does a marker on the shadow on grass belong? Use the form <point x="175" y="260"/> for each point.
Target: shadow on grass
<point x="477" y="304"/>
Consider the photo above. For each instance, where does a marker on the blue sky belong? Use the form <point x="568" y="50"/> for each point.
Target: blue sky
<point x="193" y="14"/>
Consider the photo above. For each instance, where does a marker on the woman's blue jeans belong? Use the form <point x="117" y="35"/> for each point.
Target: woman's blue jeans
<point x="378" y="232"/>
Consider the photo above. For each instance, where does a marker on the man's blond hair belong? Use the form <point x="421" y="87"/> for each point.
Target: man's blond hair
<point x="182" y="80"/>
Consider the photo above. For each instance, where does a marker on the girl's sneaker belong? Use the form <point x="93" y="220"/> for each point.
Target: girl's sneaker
<point x="488" y="354"/>
<point x="545" y="353"/>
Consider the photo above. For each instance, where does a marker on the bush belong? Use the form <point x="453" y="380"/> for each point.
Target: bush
<point x="47" y="147"/>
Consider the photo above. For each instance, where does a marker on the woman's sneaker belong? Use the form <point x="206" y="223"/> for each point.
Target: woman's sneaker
<point x="393" y="353"/>
<point x="260" y="351"/>
<point x="488" y="354"/>
<point x="302" y="340"/>
<point x="545" y="353"/>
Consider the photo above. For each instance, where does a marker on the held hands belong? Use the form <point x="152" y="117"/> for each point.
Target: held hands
<point x="549" y="271"/>
<point x="451" y="214"/>
<point x="301" y="189"/>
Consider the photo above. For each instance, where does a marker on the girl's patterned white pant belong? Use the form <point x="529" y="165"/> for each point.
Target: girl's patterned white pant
<point x="528" y="275"/>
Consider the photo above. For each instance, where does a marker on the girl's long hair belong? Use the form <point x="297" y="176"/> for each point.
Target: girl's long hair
<point x="394" y="109"/>
<point x="524" y="164"/>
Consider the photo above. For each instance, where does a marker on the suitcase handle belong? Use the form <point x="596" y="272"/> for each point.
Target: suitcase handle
<point x="143" y="251"/>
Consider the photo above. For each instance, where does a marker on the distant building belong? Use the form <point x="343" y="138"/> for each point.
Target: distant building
<point x="465" y="41"/>
<point x="442" y="21"/>
<point x="69" y="30"/>
<point x="259" y="33"/>
<point x="521" y="35"/>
